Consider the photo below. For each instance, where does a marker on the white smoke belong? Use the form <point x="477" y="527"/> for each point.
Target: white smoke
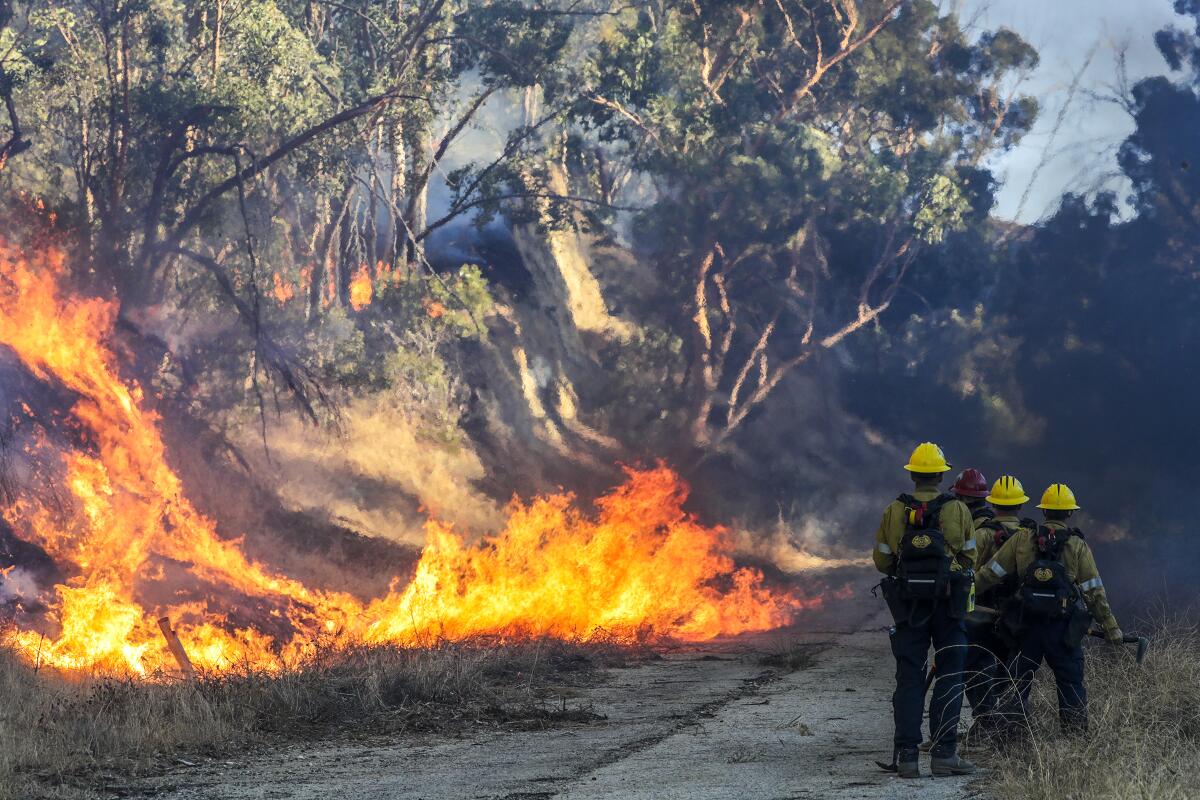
<point x="812" y="539"/>
<point x="17" y="584"/>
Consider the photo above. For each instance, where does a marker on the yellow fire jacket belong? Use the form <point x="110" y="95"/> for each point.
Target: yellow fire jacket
<point x="1020" y="551"/>
<point x="985" y="538"/>
<point x="955" y="523"/>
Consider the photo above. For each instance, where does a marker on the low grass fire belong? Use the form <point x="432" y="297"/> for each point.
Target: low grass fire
<point x="639" y="566"/>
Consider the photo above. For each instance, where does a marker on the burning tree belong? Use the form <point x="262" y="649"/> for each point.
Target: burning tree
<point x="642" y="567"/>
<point x="243" y="149"/>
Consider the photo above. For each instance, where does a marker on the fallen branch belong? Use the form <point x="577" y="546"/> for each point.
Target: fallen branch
<point x="176" y="648"/>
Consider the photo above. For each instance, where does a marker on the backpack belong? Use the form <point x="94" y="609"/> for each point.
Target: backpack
<point x="1047" y="591"/>
<point x="1001" y="533"/>
<point x="923" y="564"/>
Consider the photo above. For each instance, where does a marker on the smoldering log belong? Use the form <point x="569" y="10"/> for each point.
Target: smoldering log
<point x="176" y="648"/>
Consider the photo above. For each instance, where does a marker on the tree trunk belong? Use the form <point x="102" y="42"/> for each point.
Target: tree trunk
<point x="325" y="255"/>
<point x="418" y="217"/>
<point x="398" y="237"/>
<point x="218" y="19"/>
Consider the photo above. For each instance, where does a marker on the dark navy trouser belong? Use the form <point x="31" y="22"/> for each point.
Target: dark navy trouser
<point x="986" y="670"/>
<point x="910" y="646"/>
<point x="1044" y="639"/>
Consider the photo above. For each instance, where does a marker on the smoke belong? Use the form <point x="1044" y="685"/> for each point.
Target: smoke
<point x="17" y="584"/>
<point x="380" y="474"/>
<point x="826" y="531"/>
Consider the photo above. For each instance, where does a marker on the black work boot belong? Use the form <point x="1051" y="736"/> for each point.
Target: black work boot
<point x="906" y="763"/>
<point x="953" y="764"/>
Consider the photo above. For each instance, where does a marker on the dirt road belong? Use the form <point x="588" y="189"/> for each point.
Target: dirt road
<point x="710" y="725"/>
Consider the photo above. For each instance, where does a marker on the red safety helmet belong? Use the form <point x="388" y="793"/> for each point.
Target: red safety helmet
<point x="970" y="483"/>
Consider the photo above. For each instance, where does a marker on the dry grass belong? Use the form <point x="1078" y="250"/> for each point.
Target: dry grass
<point x="792" y="656"/>
<point x="373" y="474"/>
<point x="61" y="736"/>
<point x="1144" y="740"/>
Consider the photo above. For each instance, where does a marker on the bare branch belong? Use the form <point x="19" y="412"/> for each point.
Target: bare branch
<point x="440" y="151"/>
<point x="848" y="48"/>
<point x="299" y="380"/>
<point x="759" y="353"/>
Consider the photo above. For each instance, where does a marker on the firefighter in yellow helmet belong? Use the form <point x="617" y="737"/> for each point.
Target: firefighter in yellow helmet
<point x="1059" y="593"/>
<point x="988" y="654"/>
<point x="925" y="546"/>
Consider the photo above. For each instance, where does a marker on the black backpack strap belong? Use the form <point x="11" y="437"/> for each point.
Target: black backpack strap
<point x="1043" y="539"/>
<point x="938" y="503"/>
<point x="1050" y="541"/>
<point x="930" y="510"/>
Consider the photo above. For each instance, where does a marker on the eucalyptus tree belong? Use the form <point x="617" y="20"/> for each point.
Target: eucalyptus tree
<point x="797" y="155"/>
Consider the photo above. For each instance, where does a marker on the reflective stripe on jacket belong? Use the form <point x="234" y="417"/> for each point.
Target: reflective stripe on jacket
<point x="985" y="538"/>
<point x="1020" y="551"/>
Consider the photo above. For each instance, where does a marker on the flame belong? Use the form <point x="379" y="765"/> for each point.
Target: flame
<point x="643" y="565"/>
<point x="640" y="566"/>
<point x="362" y="290"/>
<point x="282" y="288"/>
<point x="306" y="278"/>
<point x="434" y="309"/>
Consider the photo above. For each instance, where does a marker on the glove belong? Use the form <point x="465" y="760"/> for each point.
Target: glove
<point x="1114" y="635"/>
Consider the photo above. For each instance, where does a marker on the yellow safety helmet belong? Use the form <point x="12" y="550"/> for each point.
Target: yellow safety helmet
<point x="927" y="458"/>
<point x="1007" y="491"/>
<point x="1058" y="497"/>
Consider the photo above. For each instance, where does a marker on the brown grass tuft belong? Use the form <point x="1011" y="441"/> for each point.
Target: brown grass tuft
<point x="791" y="656"/>
<point x="1144" y="739"/>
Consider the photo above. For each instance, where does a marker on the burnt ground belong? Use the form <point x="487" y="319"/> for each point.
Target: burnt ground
<point x="728" y="720"/>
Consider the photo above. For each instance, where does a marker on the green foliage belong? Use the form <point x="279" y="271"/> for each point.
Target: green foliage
<point x="942" y="209"/>
<point x="405" y="344"/>
<point x="272" y="70"/>
<point x="418" y="372"/>
<point x="509" y="46"/>
<point x="641" y="394"/>
<point x="338" y="349"/>
<point x="465" y="300"/>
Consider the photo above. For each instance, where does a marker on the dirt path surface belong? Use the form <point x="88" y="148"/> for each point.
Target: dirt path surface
<point x="703" y="725"/>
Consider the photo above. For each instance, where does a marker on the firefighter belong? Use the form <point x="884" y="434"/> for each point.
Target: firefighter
<point x="971" y="488"/>
<point x="988" y="654"/>
<point x="1059" y="593"/>
<point x="925" y="546"/>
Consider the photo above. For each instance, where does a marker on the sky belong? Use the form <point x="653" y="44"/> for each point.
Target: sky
<point x="1081" y="156"/>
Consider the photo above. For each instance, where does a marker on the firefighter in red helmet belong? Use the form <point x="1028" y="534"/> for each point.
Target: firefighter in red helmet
<point x="971" y="488"/>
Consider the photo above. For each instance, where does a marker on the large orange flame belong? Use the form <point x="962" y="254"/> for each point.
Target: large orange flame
<point x="641" y="566"/>
<point x="362" y="289"/>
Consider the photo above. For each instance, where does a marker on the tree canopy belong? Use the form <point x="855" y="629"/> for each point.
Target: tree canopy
<point x="300" y="200"/>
